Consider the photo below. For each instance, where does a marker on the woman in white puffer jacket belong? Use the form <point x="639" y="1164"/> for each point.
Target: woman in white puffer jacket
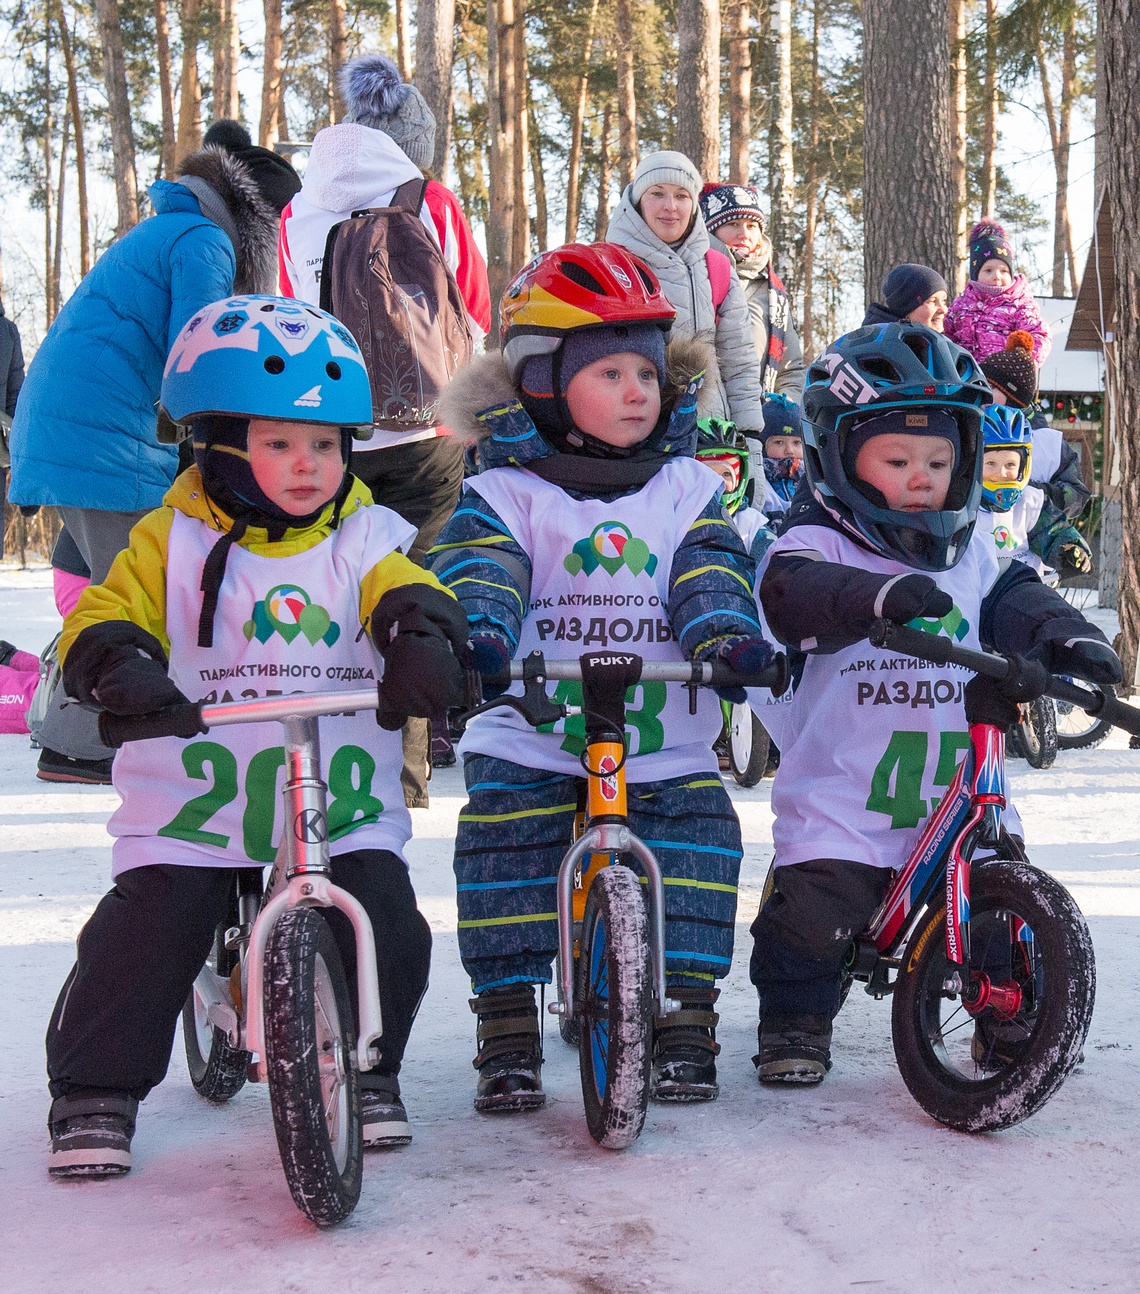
<point x="659" y="220"/>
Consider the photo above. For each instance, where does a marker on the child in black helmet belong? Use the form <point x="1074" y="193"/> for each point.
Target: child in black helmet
<point x="894" y="472"/>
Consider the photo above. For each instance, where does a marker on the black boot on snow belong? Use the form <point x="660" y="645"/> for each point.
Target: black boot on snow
<point x="383" y="1117"/>
<point x="91" y="1135"/>
<point x="510" y="1050"/>
<point x="685" y="1048"/>
<point x="793" y="1049"/>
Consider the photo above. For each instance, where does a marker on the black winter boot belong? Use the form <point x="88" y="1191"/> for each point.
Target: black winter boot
<point x="91" y="1134"/>
<point x="793" y="1049"/>
<point x="510" y="1050"/>
<point x="685" y="1048"/>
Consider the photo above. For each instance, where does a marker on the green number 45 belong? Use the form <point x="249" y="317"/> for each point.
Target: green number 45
<point x="896" y="783"/>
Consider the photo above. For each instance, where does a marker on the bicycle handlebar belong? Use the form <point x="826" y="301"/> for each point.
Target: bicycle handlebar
<point x="1092" y="700"/>
<point x="191" y="718"/>
<point x="706" y="674"/>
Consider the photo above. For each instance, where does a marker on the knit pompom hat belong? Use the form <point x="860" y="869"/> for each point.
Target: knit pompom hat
<point x="665" y="168"/>
<point x="1013" y="370"/>
<point x="376" y="96"/>
<point x="989" y="242"/>
<point x="272" y="173"/>
<point x="721" y="203"/>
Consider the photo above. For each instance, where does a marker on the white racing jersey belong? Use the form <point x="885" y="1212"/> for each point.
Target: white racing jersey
<point x="601" y="581"/>
<point x="283" y="625"/>
<point x="1012" y="529"/>
<point x="871" y="739"/>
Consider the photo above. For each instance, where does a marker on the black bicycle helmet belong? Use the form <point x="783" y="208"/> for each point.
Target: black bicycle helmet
<point x="865" y="373"/>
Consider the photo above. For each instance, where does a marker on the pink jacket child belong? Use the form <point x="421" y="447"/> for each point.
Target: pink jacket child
<point x="997" y="300"/>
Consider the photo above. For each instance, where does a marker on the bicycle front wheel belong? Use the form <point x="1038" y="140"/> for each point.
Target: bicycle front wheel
<point x="217" y="1069"/>
<point x="1077" y="730"/>
<point x="980" y="1073"/>
<point x="310" y="1038"/>
<point x="748" y="745"/>
<point x="615" y="1001"/>
<point x="1038" y="734"/>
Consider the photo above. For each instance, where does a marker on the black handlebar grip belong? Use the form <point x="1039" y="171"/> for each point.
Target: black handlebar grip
<point x="183" y="720"/>
<point x="775" y="677"/>
<point x="889" y="636"/>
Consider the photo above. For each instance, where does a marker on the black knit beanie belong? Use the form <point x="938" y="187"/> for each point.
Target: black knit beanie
<point x="907" y="286"/>
<point x="275" y="178"/>
<point x="901" y="422"/>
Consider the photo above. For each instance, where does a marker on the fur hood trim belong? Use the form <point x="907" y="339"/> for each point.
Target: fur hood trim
<point x="485" y="384"/>
<point x="253" y="219"/>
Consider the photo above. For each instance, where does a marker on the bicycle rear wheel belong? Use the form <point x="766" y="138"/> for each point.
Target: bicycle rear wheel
<point x="615" y="1003"/>
<point x="310" y="1038"/>
<point x="989" y="1071"/>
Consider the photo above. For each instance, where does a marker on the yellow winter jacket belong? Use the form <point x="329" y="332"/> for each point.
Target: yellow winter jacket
<point x="135" y="587"/>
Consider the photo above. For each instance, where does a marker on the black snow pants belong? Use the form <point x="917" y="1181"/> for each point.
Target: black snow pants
<point x="803" y="930"/>
<point x="138" y="956"/>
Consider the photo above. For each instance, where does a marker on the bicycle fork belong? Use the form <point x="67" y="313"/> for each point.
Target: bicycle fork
<point x="303" y="857"/>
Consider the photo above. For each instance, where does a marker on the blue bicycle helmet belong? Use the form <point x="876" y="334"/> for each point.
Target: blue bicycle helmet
<point x="1006" y="428"/>
<point x="267" y="357"/>
<point x="867" y="373"/>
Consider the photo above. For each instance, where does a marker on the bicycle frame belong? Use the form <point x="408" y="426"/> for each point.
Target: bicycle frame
<point x="970" y="810"/>
<point x="301" y="875"/>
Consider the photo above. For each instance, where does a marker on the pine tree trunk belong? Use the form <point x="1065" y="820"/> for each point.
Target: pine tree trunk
<point x="227" y="51"/>
<point x="1121" y="51"/>
<point x="990" y="114"/>
<point x="602" y="214"/>
<point x="541" y="215"/>
<point x="698" y="84"/>
<point x="80" y="145"/>
<point x="338" y="44"/>
<point x="1063" y="230"/>
<point x="577" y="121"/>
<point x="908" y="182"/>
<point x="271" y="86"/>
<point x="960" y="127"/>
<point x="811" y="195"/>
<point x="739" y="91"/>
<point x="501" y="129"/>
<point x="627" y="100"/>
<point x="435" y="42"/>
<point x="51" y="307"/>
<point x="189" y="90"/>
<point x="119" y="112"/>
<point x="404" y="38"/>
<point x="781" y="170"/>
<point x="521" y="238"/>
<point x="165" y="89"/>
<point x="57" y="253"/>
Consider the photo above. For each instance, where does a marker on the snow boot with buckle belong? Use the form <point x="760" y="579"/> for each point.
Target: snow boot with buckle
<point x="685" y="1048"/>
<point x="510" y="1050"/>
<point x="793" y="1049"/>
<point x="91" y="1135"/>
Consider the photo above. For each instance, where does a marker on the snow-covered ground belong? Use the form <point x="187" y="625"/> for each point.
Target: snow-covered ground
<point x="848" y="1185"/>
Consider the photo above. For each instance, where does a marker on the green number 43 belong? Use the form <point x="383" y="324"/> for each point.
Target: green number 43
<point x="896" y="783"/>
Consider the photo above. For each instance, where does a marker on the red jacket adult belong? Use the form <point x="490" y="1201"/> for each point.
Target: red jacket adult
<point x="352" y="167"/>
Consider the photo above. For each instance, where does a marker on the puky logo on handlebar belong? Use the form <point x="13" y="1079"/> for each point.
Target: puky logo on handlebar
<point x="288" y="610"/>
<point x="610" y="546"/>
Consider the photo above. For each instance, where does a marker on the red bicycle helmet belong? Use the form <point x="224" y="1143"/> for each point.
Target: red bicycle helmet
<point x="579" y="285"/>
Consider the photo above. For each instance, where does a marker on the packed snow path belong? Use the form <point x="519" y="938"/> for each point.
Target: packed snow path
<point x="845" y="1186"/>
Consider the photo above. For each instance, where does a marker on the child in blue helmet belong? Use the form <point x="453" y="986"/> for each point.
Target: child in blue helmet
<point x="782" y="441"/>
<point x="266" y="562"/>
<point x="1026" y="528"/>
<point x="892" y="420"/>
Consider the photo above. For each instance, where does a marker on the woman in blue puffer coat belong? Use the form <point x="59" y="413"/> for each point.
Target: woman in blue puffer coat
<point x="84" y="437"/>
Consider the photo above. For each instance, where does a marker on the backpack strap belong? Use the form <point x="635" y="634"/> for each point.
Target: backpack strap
<point x="720" y="277"/>
<point x="410" y="196"/>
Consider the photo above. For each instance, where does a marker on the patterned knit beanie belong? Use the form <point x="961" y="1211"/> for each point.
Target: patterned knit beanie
<point x="721" y="203"/>
<point x="1013" y="370"/>
<point x="989" y="242"/>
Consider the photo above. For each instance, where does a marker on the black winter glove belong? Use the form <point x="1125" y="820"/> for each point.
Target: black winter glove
<point x="991" y="701"/>
<point x="902" y="598"/>
<point x="1089" y="658"/>
<point x="118" y="666"/>
<point x="420" y="631"/>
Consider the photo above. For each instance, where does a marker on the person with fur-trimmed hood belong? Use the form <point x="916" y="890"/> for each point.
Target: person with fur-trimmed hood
<point x="84" y="437"/>
<point x="592" y="523"/>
